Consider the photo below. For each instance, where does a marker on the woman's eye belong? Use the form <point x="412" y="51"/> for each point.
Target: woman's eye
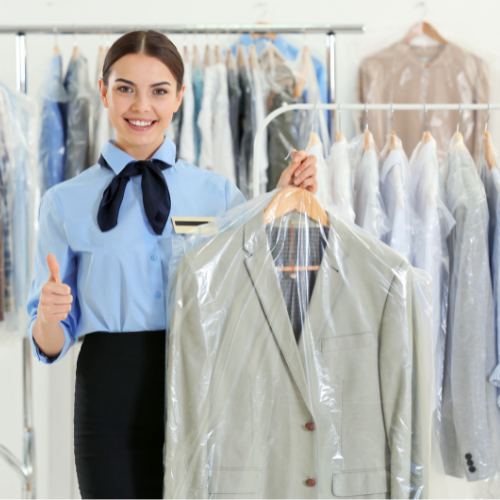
<point x="124" y="89"/>
<point x="160" y="91"/>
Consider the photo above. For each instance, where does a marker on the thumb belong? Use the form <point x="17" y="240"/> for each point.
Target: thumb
<point x="54" y="269"/>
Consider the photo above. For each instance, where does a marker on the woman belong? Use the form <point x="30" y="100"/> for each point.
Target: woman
<point x="105" y="239"/>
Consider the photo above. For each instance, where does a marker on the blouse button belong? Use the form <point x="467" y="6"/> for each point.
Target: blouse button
<point x="157" y="295"/>
<point x="153" y="257"/>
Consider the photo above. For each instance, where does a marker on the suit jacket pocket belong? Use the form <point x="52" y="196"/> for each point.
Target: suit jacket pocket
<point x="234" y="481"/>
<point x="362" y="482"/>
<point x="352" y="341"/>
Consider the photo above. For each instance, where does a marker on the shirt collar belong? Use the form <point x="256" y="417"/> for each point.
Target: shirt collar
<point x="117" y="159"/>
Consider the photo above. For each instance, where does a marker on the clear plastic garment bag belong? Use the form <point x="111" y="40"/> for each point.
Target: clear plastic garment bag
<point x="295" y="359"/>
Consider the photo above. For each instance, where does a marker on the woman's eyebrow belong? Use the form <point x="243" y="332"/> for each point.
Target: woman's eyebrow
<point x="161" y="83"/>
<point x="126" y="81"/>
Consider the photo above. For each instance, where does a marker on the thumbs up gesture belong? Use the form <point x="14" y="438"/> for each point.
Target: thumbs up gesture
<point x="55" y="300"/>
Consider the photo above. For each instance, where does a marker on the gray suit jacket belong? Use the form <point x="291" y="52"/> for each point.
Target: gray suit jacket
<point x="470" y="418"/>
<point x="240" y="389"/>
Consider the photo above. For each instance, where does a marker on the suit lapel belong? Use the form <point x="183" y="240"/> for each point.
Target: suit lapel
<point x="330" y="279"/>
<point x="331" y="276"/>
<point x="261" y="268"/>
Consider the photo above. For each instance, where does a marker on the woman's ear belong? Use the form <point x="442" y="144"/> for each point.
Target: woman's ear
<point x="179" y="98"/>
<point x="103" y="91"/>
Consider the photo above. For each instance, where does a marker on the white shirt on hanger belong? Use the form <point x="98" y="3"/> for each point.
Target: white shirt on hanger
<point x="430" y="252"/>
<point x="368" y="204"/>
<point x="395" y="189"/>
<point x="340" y="180"/>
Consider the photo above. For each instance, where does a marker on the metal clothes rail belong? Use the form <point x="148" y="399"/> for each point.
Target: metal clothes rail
<point x="26" y="468"/>
<point x="351" y="107"/>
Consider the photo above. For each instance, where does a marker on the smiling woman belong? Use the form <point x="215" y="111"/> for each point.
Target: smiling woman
<point x="142" y="87"/>
<point x="105" y="241"/>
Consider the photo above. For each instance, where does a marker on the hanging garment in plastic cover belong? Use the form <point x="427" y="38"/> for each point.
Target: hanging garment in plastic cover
<point x="53" y="98"/>
<point x="295" y="360"/>
<point x="77" y="85"/>
<point x="340" y="179"/>
<point x="368" y="204"/>
<point x="19" y="193"/>
<point x="488" y="169"/>
<point x="469" y="428"/>
<point x="395" y="188"/>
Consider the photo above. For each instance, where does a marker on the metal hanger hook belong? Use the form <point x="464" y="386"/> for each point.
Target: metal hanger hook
<point x="340" y="117"/>
<point x="55" y="36"/>
<point x="487" y="119"/>
<point x="426" y="126"/>
<point x="392" y="116"/>
<point x="366" y="116"/>
<point x="459" y="116"/>
<point x="75" y="40"/>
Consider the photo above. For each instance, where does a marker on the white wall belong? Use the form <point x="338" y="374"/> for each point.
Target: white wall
<point x="474" y="25"/>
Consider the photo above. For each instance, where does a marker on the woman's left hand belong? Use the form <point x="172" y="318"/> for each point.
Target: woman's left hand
<point x="300" y="173"/>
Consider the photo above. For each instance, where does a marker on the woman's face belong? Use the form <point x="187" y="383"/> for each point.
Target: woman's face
<point x="142" y="97"/>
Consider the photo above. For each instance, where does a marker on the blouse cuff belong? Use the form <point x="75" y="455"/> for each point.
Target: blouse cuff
<point x="37" y="352"/>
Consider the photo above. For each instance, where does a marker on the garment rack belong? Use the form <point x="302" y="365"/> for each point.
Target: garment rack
<point x="26" y="467"/>
<point x="350" y="107"/>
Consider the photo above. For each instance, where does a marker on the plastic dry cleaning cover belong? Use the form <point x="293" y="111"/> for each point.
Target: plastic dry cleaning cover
<point x="295" y="359"/>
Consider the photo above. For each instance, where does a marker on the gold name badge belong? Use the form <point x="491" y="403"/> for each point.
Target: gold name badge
<point x="186" y="225"/>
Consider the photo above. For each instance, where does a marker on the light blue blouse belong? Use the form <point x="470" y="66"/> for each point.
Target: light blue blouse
<point x="118" y="278"/>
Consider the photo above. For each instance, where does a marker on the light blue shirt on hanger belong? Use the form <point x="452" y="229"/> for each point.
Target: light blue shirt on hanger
<point x="118" y="278"/>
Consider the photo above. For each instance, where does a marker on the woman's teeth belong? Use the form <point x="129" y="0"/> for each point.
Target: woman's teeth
<point x="139" y="123"/>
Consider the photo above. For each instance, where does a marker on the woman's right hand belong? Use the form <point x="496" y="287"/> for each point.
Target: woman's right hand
<point x="56" y="299"/>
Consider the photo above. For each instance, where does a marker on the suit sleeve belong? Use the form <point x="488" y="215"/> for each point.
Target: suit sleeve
<point x="52" y="239"/>
<point x="188" y="382"/>
<point x="403" y="388"/>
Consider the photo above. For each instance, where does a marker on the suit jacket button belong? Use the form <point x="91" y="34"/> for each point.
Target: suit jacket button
<point x="310" y="426"/>
<point x="472" y="469"/>
<point x="311" y="482"/>
<point x="470" y="462"/>
<point x="468" y="456"/>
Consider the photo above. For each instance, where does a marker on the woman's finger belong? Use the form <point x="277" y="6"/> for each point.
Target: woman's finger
<point x="310" y="171"/>
<point x="311" y="184"/>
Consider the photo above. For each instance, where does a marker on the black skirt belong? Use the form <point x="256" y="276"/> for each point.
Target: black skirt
<point x="119" y="415"/>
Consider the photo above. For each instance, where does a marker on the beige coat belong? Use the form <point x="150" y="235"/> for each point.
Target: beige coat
<point x="241" y="390"/>
<point x="403" y="73"/>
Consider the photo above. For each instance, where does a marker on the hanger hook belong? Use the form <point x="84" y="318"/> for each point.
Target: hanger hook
<point x="75" y="40"/>
<point x="392" y="116"/>
<point x="304" y="39"/>
<point x="459" y="116"/>
<point x="55" y="36"/>
<point x="488" y="119"/>
<point x="426" y="126"/>
<point x="366" y="116"/>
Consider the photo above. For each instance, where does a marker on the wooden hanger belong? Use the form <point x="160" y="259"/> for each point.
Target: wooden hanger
<point x="368" y="142"/>
<point x="252" y="56"/>
<point x="56" y="50"/>
<point x="313" y="140"/>
<point x="186" y="53"/>
<point x="241" y="56"/>
<point x="424" y="28"/>
<point x="340" y="136"/>
<point x="270" y="36"/>
<point x="489" y="155"/>
<point x="294" y="198"/>
<point x="75" y="53"/>
<point x="229" y="59"/>
<point x="218" y="54"/>
<point x="207" y="55"/>
<point x="394" y="142"/>
<point x="427" y="137"/>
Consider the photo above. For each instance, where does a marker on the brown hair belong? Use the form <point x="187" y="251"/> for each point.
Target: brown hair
<point x="151" y="43"/>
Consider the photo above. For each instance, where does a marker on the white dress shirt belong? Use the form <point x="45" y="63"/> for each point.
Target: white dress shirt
<point x="395" y="188"/>
<point x="340" y="180"/>
<point x="368" y="204"/>
<point x="430" y="253"/>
